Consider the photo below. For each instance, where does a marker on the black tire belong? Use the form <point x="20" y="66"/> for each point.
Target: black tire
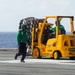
<point x="36" y="53"/>
<point x="56" y="55"/>
<point x="72" y="58"/>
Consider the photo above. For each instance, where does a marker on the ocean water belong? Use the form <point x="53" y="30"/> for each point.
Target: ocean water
<point x="8" y="40"/>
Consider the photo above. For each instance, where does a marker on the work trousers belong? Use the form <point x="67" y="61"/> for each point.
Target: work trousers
<point x="22" y="50"/>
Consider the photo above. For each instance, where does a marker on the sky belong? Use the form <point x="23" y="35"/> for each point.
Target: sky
<point x="12" y="11"/>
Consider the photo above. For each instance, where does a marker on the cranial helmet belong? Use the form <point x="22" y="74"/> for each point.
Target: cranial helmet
<point x="24" y="26"/>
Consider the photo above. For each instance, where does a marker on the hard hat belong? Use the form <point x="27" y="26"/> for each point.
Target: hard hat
<point x="24" y="26"/>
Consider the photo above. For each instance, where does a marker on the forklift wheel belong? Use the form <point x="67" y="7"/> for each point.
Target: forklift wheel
<point x="36" y="53"/>
<point x="72" y="58"/>
<point x="56" y="55"/>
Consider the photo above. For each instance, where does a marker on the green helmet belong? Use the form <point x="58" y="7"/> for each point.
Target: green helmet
<point x="24" y="26"/>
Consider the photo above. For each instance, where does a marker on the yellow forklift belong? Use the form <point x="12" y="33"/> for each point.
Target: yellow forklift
<point x="46" y="43"/>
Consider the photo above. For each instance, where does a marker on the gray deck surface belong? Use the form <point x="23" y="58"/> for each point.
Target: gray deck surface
<point x="9" y="66"/>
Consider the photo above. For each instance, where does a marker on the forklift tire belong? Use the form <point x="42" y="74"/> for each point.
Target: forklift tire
<point x="72" y="58"/>
<point x="36" y="53"/>
<point x="56" y="55"/>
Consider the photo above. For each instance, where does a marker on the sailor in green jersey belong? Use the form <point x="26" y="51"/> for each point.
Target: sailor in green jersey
<point x="22" y="39"/>
<point x="60" y="27"/>
<point x="22" y="36"/>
